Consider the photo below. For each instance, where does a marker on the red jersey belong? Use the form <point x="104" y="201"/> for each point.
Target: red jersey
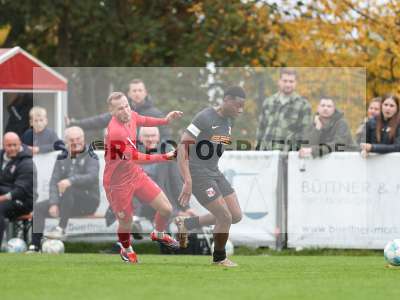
<point x="121" y="155"/>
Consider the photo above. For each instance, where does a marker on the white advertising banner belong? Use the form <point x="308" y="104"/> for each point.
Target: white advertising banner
<point x="44" y="165"/>
<point x="253" y="174"/>
<point x="343" y="201"/>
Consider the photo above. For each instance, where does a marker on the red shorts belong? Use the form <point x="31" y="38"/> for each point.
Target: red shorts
<point x="120" y="196"/>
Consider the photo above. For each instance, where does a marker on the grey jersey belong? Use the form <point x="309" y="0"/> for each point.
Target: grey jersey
<point x="212" y="133"/>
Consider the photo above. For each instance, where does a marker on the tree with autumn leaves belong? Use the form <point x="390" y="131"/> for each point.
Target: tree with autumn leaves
<point x="190" y="33"/>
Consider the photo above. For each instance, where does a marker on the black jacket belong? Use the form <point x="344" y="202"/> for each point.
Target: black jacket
<point x="18" y="120"/>
<point x="333" y="136"/>
<point x="146" y="109"/>
<point x="83" y="172"/>
<point x="17" y="178"/>
<point x="166" y="175"/>
<point x="384" y="146"/>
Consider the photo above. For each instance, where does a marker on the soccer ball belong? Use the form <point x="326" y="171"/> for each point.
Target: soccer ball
<point x="53" y="247"/>
<point x="392" y="252"/>
<point x="229" y="248"/>
<point x="16" y="245"/>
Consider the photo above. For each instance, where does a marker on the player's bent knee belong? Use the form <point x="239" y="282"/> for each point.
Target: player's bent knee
<point x="166" y="211"/>
<point x="236" y="218"/>
<point x="225" y="217"/>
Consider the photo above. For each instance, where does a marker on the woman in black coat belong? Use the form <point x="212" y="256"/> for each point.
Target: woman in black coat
<point x="383" y="132"/>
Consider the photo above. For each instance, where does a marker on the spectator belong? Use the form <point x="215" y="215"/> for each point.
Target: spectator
<point x="17" y="187"/>
<point x="39" y="138"/>
<point x="374" y="109"/>
<point x="140" y="101"/>
<point x="18" y="110"/>
<point x="284" y="116"/>
<point x="167" y="176"/>
<point x="74" y="188"/>
<point x="382" y="133"/>
<point x="328" y="133"/>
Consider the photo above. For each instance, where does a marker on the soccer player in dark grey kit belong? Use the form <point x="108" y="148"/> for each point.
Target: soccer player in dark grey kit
<point x="202" y="145"/>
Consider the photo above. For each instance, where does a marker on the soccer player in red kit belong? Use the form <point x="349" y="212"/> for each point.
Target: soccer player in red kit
<point x="123" y="177"/>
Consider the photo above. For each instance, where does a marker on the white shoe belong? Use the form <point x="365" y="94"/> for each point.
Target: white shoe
<point x="225" y="263"/>
<point x="57" y="233"/>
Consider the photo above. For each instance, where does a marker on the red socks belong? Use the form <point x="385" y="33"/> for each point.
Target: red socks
<point x="160" y="222"/>
<point x="124" y="237"/>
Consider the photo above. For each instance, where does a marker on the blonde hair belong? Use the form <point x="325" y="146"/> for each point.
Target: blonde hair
<point x="37" y="111"/>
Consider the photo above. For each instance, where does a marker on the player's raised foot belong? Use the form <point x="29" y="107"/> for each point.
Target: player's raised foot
<point x="128" y="256"/>
<point x="165" y="239"/>
<point x="225" y="263"/>
<point x="182" y="235"/>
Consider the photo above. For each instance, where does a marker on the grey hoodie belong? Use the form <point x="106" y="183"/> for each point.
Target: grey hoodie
<point x="335" y="136"/>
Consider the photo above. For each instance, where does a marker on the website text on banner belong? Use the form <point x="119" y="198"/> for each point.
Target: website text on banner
<point x="343" y="201"/>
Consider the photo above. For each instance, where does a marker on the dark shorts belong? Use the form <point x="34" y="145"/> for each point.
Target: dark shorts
<point x="208" y="189"/>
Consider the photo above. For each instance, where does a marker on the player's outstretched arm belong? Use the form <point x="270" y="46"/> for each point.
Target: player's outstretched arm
<point x="183" y="163"/>
<point x="151" y="121"/>
<point x="174" y="115"/>
<point x="144" y="158"/>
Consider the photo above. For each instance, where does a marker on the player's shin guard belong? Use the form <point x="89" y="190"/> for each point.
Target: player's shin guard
<point x="160" y="222"/>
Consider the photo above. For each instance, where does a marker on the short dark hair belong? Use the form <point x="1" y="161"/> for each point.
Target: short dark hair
<point x="328" y="98"/>
<point x="287" y="71"/>
<point x="136" y="81"/>
<point x="235" y="91"/>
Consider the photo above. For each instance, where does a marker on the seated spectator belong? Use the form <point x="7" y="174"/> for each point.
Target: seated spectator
<point x="167" y="176"/>
<point x="382" y="133"/>
<point x="74" y="188"/>
<point x="328" y="133"/>
<point x="374" y="109"/>
<point x="17" y="187"/>
<point x="39" y="138"/>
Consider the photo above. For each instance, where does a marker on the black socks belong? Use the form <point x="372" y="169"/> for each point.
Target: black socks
<point x="219" y="255"/>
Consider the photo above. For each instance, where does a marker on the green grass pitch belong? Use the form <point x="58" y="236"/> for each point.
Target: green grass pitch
<point x="101" y="276"/>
